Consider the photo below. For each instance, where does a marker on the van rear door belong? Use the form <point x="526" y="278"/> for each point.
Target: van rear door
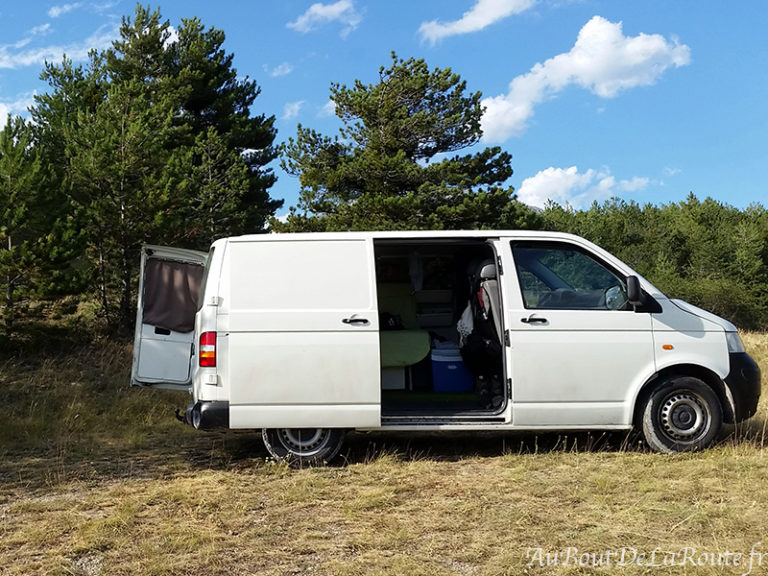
<point x="169" y="286"/>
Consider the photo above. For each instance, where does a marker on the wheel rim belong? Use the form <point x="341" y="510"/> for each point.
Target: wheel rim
<point x="304" y="441"/>
<point x="684" y="416"/>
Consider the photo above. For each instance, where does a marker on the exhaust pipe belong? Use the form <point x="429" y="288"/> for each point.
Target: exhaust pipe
<point x="205" y="415"/>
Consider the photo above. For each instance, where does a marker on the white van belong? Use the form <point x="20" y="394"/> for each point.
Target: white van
<point x="307" y="336"/>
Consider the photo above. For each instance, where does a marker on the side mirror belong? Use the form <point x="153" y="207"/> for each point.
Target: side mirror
<point x="635" y="294"/>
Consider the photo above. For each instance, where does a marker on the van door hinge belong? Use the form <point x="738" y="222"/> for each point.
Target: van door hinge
<point x="213" y="301"/>
<point x="506" y="338"/>
<point x="498" y="265"/>
<point x="509" y="387"/>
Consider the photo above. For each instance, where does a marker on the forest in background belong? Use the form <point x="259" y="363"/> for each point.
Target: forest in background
<point x="155" y="141"/>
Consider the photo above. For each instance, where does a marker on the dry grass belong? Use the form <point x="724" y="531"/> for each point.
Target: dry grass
<point x="99" y="479"/>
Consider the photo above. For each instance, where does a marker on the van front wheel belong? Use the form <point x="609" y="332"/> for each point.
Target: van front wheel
<point x="303" y="446"/>
<point x="682" y="415"/>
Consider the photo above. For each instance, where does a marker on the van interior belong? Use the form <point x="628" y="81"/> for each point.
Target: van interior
<point x="441" y="335"/>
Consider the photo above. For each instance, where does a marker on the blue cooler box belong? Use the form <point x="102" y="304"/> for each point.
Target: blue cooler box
<point x="449" y="373"/>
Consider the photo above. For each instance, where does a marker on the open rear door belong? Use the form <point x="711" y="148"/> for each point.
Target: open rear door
<point x="169" y="286"/>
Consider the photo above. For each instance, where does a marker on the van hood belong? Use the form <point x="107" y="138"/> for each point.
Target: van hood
<point x="703" y="314"/>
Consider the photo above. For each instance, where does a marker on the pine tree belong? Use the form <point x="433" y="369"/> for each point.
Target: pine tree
<point x="117" y="157"/>
<point x="146" y="142"/>
<point x="386" y="169"/>
<point x="217" y="98"/>
<point x="19" y="235"/>
<point x="217" y="182"/>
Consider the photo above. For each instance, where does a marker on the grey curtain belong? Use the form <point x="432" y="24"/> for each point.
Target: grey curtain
<point x="170" y="294"/>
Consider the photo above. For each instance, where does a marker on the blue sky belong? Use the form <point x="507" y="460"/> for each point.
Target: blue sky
<point x="643" y="100"/>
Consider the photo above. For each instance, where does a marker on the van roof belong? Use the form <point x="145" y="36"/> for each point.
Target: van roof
<point x="405" y="234"/>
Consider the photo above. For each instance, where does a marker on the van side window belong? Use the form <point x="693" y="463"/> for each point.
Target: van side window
<point x="560" y="276"/>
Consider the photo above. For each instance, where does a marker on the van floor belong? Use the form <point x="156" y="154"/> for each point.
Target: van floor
<point x="401" y="401"/>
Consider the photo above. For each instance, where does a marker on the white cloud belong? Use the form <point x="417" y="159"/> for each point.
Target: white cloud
<point x="292" y="109"/>
<point x="12" y="57"/>
<point x="17" y="107"/>
<point x="319" y="14"/>
<point x="62" y="9"/>
<point x="41" y="30"/>
<point x="481" y="15"/>
<point x="282" y="69"/>
<point x="104" y="6"/>
<point x="569" y="186"/>
<point x="602" y="60"/>
<point x="328" y="109"/>
<point x="635" y="184"/>
<point x="171" y="38"/>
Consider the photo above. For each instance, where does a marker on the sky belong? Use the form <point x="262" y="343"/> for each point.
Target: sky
<point x="645" y="101"/>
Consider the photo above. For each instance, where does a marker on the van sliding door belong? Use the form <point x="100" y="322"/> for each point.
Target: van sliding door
<point x="301" y="324"/>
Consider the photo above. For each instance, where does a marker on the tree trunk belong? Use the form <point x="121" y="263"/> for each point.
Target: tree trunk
<point x="102" y="287"/>
<point x="125" y="293"/>
<point x="9" y="302"/>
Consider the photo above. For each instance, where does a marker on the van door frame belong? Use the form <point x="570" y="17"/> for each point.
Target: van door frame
<point x="506" y="278"/>
<point x="478" y="419"/>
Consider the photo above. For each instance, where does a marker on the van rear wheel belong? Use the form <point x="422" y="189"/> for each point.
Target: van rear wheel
<point x="682" y="415"/>
<point x="303" y="446"/>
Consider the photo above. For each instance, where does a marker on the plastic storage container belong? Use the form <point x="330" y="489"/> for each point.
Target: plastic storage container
<point x="449" y="373"/>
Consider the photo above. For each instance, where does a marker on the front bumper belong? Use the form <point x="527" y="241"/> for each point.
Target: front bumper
<point x="207" y="415"/>
<point x="743" y="381"/>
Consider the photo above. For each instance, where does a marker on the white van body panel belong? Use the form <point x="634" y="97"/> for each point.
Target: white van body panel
<point x="705" y="315"/>
<point x="487" y="426"/>
<point x="695" y="339"/>
<point x="290" y="355"/>
<point x="570" y="376"/>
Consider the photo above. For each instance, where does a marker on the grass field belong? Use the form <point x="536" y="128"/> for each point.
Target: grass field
<point x="99" y="479"/>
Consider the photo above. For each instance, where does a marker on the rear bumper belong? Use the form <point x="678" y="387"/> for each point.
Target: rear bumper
<point x="207" y="415"/>
<point x="743" y="380"/>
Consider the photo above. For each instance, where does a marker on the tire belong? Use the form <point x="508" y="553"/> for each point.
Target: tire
<point x="682" y="415"/>
<point x="301" y="447"/>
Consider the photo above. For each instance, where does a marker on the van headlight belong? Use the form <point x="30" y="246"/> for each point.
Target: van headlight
<point x="735" y="345"/>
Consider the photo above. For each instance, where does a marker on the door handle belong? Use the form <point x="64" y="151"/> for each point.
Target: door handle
<point x="533" y="320"/>
<point x="354" y="320"/>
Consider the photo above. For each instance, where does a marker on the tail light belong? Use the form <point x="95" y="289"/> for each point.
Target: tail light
<point x="207" y="354"/>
